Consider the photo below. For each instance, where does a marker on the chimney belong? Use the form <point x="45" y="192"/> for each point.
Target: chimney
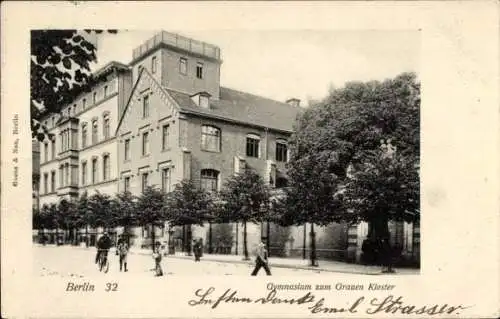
<point x="293" y="102"/>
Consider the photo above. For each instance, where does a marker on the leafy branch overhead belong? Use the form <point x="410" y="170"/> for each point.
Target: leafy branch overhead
<point x="60" y="70"/>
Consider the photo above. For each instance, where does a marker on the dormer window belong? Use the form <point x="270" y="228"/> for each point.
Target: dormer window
<point x="202" y="99"/>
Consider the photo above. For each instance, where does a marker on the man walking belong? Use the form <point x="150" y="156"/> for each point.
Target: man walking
<point x="261" y="260"/>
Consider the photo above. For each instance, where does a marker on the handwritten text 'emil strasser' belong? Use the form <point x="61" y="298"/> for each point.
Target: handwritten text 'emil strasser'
<point x="389" y="304"/>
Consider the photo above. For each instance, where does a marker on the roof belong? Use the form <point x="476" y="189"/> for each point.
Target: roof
<point x="243" y="107"/>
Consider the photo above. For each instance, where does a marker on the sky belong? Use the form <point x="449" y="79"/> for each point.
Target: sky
<point x="284" y="64"/>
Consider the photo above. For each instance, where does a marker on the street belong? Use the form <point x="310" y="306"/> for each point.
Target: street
<point x="76" y="262"/>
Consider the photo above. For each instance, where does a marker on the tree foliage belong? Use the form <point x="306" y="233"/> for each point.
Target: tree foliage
<point x="60" y="70"/>
<point x="336" y="170"/>
<point x="188" y="205"/>
<point x="245" y="197"/>
<point x="151" y="207"/>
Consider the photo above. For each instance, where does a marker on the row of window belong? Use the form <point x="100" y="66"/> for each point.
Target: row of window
<point x="94" y="166"/>
<point x="210" y="141"/>
<point x="96" y="97"/>
<point x="106" y="130"/>
<point x="183" y="67"/>
<point x="209" y="180"/>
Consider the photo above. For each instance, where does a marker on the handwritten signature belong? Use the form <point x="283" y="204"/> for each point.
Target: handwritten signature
<point x="389" y="304"/>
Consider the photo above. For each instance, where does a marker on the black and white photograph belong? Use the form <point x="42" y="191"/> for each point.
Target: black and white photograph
<point x="266" y="159"/>
<point x="143" y="158"/>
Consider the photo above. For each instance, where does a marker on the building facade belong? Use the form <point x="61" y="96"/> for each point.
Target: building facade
<point x="165" y="117"/>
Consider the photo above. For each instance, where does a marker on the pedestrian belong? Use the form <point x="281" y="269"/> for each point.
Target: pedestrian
<point x="386" y="255"/>
<point x="157" y="257"/>
<point x="197" y="249"/>
<point x="261" y="260"/>
<point x="122" y="250"/>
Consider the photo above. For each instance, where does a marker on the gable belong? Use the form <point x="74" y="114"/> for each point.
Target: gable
<point x="161" y="104"/>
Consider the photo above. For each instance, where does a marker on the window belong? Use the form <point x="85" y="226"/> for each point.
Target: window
<point x="204" y="101"/>
<point x="281" y="151"/>
<point x="183" y="66"/>
<point x="105" y="90"/>
<point x="126" y="184"/>
<point x="139" y="69"/>
<point x="53" y="181"/>
<point x="105" y="168"/>
<point x="84" y="103"/>
<point x="94" y="131"/>
<point x="45" y="152"/>
<point x="94" y="171"/>
<point x="210" y="138"/>
<point x="145" y="143"/>
<point x="105" y="128"/>
<point x="253" y="145"/>
<point x="61" y="176"/>
<point x="144" y="181"/>
<point x="84" y="135"/>
<point x="199" y="70"/>
<point x="53" y="148"/>
<point x="165" y="134"/>
<point x="45" y="181"/>
<point x="127" y="149"/>
<point x="95" y="97"/>
<point x="66" y="174"/>
<point x="209" y="180"/>
<point x="74" y="108"/>
<point x="145" y="232"/>
<point x="165" y="180"/>
<point x="145" y="106"/>
<point x="74" y="139"/>
<point x="153" y="65"/>
<point x="84" y="173"/>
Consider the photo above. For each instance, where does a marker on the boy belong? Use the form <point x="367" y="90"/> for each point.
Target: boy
<point x="157" y="258"/>
<point x="122" y="252"/>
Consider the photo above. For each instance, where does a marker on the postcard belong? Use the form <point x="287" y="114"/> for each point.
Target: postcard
<point x="250" y="159"/>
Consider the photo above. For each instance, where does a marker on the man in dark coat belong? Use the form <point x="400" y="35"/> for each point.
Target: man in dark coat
<point x="103" y="245"/>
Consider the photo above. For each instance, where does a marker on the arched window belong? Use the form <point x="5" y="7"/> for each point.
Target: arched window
<point x="84" y="135"/>
<point x="105" y="167"/>
<point x="94" y="131"/>
<point x="253" y="142"/>
<point x="210" y="138"/>
<point x="105" y="126"/>
<point x="209" y="180"/>
<point x="281" y="151"/>
<point x="94" y="170"/>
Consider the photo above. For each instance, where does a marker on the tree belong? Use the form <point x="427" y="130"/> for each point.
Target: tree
<point x="188" y="205"/>
<point x="126" y="212"/>
<point x="384" y="187"/>
<point x="335" y="140"/>
<point x="60" y="70"/>
<point x="246" y="200"/>
<point x="83" y="215"/>
<point x="151" y="210"/>
<point x="102" y="214"/>
<point x="65" y="211"/>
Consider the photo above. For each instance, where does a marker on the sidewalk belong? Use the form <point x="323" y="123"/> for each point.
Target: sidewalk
<point x="294" y="263"/>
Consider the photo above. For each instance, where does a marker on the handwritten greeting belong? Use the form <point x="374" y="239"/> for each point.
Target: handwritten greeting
<point x="388" y="304"/>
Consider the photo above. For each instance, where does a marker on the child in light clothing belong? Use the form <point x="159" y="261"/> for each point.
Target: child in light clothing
<point x="157" y="258"/>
